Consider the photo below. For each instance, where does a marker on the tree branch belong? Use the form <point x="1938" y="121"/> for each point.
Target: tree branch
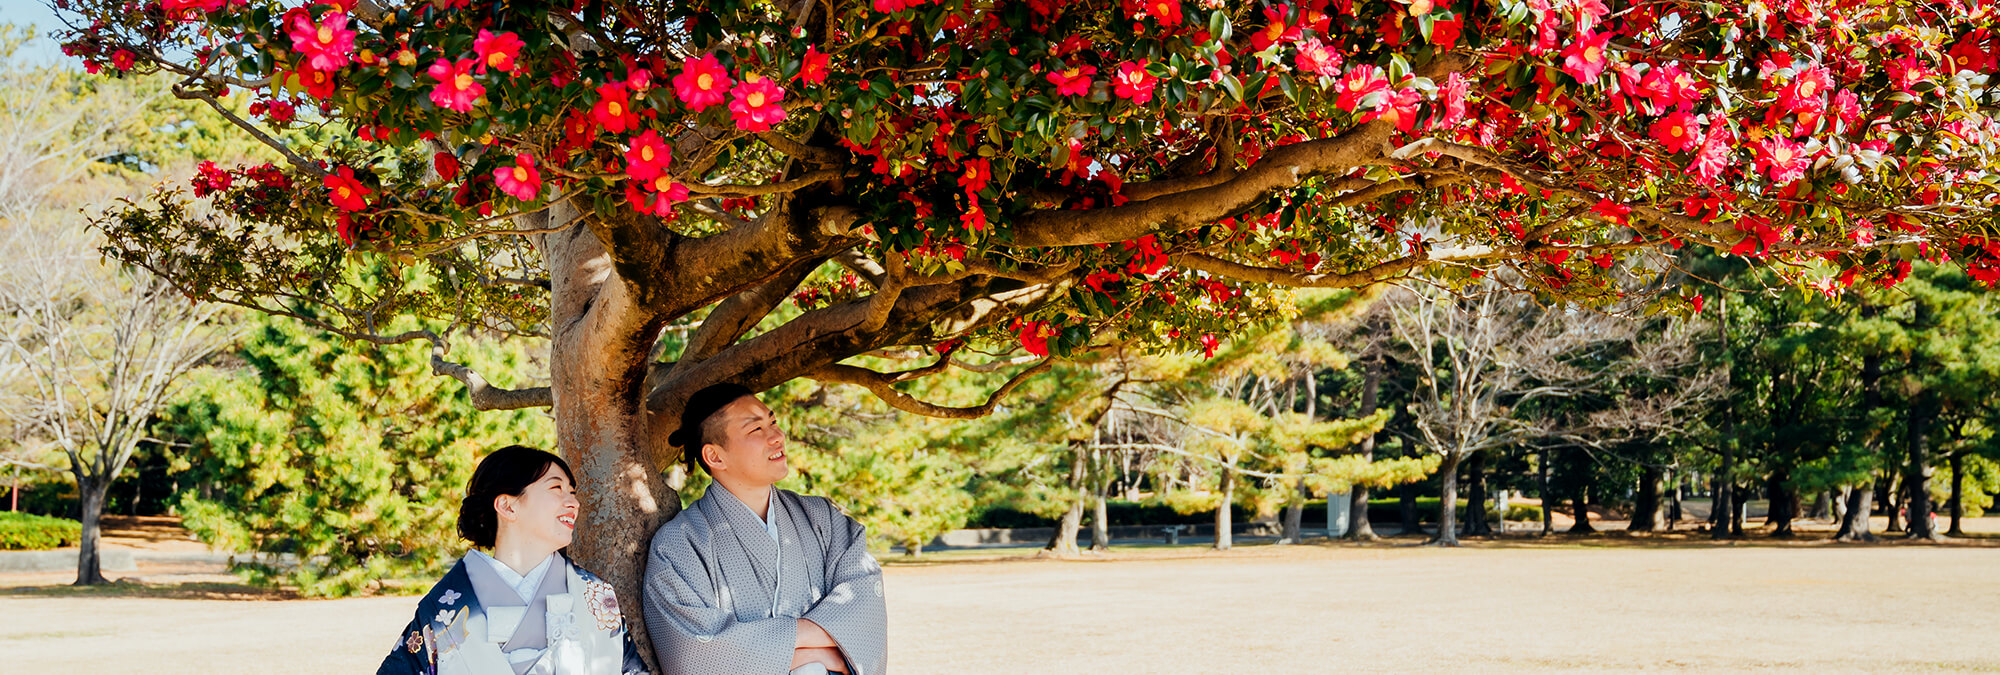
<point x="486" y="396"/>
<point x="882" y="385"/>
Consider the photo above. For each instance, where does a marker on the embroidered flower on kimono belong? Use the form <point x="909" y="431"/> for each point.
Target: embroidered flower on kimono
<point x="449" y="597"/>
<point x="415" y="643"/>
<point x="444" y="616"/>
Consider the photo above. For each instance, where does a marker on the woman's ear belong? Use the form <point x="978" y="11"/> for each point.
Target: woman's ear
<point x="503" y="507"/>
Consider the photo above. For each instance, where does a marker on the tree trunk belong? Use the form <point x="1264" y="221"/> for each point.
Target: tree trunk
<point x="1407" y="508"/>
<point x="1579" y="502"/>
<point x="1358" y="526"/>
<point x="1917" y="476"/>
<point x="1783" y="504"/>
<point x="1855" y="527"/>
<point x="1100" y="513"/>
<point x="1889" y="491"/>
<point x="1646" y="502"/>
<point x="1674" y="507"/>
<point x="1447" y="534"/>
<point x="1476" y="524"/>
<point x="1223" y="536"/>
<point x="1741" y="512"/>
<point x="89" y="557"/>
<point x="599" y="356"/>
<point x="1723" y="510"/>
<point x="1548" y="504"/>
<point x="1064" y="542"/>
<point x="1294" y="513"/>
<point x="1957" y="503"/>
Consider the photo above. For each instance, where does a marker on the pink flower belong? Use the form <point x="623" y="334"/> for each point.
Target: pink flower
<point x="648" y="156"/>
<point x="520" y="181"/>
<point x="1783" y="159"/>
<point x="1677" y="132"/>
<point x="702" y="82"/>
<point x="328" y="45"/>
<point x="656" y="197"/>
<point x="757" y="103"/>
<point x="456" y="89"/>
<point x="1315" y="58"/>
<point x="1362" y="82"/>
<point x="613" y="111"/>
<point x="1586" y="59"/>
<point x="497" y="51"/>
<point x="1073" y="81"/>
<point x="1133" y="82"/>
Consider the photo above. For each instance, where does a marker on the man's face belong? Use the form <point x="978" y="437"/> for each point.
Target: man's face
<point x="746" y="445"/>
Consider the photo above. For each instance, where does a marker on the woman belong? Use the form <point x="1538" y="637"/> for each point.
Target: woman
<point x="523" y="607"/>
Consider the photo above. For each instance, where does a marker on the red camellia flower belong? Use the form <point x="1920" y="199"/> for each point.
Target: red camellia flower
<point x="977" y="173"/>
<point x="210" y="179"/>
<point x="613" y="111"/>
<point x="520" y="181"/>
<point x="1586" y="59"/>
<point x="1452" y="95"/>
<point x="1275" y="30"/>
<point x="1670" y="87"/>
<point x="327" y="45"/>
<point x="813" y="67"/>
<point x="182" y="7"/>
<point x="268" y="175"/>
<point x="1782" y="159"/>
<point x="757" y="103"/>
<point x="1807" y="92"/>
<point x="1096" y="280"/>
<point x="1314" y="57"/>
<point x="974" y="217"/>
<point x="1034" y="336"/>
<point x="319" y="82"/>
<point x="1209" y="343"/>
<point x="456" y="89"/>
<point x="1612" y="211"/>
<point x="578" y="130"/>
<point x="656" y="198"/>
<point x="447" y="166"/>
<point x="123" y="60"/>
<point x="1715" y="152"/>
<point x="1970" y="53"/>
<point x="1399" y="109"/>
<point x="702" y="82"/>
<point x="648" y="156"/>
<point x="1444" y="33"/>
<point x="1133" y="82"/>
<point x="1164" y="12"/>
<point x="346" y="193"/>
<point x="1362" y="82"/>
<point x="497" y="51"/>
<point x="1072" y="81"/>
<point x="1677" y="132"/>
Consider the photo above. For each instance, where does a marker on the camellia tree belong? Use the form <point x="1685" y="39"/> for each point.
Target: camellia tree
<point x="976" y="174"/>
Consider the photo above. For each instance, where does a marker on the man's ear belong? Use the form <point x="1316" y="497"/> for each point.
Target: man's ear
<point x="712" y="454"/>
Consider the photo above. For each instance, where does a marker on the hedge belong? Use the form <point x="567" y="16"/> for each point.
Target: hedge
<point x="28" y="532"/>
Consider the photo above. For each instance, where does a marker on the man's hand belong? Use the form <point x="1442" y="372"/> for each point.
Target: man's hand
<point x="813" y="636"/>
<point x="825" y="656"/>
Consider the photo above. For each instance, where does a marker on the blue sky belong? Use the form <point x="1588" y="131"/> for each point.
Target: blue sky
<point x="44" y="19"/>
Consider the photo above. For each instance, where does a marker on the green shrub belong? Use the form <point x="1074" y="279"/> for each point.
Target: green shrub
<point x="28" y="532"/>
<point x="1118" y="512"/>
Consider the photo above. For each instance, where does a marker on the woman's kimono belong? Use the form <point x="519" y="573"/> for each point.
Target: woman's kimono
<point x="583" y="629"/>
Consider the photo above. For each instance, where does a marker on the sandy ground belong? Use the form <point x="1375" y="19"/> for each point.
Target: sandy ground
<point x="1570" y="605"/>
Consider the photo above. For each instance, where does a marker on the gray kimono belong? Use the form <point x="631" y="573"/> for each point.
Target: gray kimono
<point x="709" y="586"/>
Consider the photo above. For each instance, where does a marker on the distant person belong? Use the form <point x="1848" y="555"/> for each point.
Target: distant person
<point x="755" y="580"/>
<point x="523" y="607"/>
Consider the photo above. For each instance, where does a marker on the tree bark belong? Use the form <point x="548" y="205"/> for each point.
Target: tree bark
<point x="1224" y="538"/>
<point x="1783" y="504"/>
<point x="1407" y="508"/>
<point x="89" y="555"/>
<point x="1358" y="526"/>
<point x="1855" y="526"/>
<point x="1476" y="524"/>
<point x="1579" y="502"/>
<point x="1548" y="502"/>
<point x="1917" y="475"/>
<point x="1674" y="506"/>
<point x="1447" y="534"/>
<point x="1957" y="503"/>
<point x="1064" y="542"/>
<point x="1294" y="513"/>
<point x="599" y="355"/>
<point x="1646" y="502"/>
<point x="1100" y="512"/>
<point x="1723" y="509"/>
<point x="1889" y="491"/>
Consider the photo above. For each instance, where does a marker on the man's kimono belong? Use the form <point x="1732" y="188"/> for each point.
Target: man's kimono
<point x="573" y="619"/>
<point x="710" y="604"/>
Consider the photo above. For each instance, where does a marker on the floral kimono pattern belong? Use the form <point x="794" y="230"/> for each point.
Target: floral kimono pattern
<point x="586" y="632"/>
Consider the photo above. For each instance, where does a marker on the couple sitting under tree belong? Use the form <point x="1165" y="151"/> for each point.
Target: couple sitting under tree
<point x="748" y="579"/>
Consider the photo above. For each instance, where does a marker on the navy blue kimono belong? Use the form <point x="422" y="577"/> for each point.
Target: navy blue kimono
<point x="586" y="633"/>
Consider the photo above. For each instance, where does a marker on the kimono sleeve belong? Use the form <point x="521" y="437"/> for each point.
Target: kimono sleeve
<point x="693" y="630"/>
<point x="410" y="656"/>
<point x="634" y="665"/>
<point x="853" y="611"/>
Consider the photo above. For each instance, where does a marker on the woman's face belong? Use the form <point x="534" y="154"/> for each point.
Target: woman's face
<point x="542" y="516"/>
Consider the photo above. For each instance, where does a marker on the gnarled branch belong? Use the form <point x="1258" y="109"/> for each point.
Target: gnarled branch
<point x="882" y="385"/>
<point x="485" y="396"/>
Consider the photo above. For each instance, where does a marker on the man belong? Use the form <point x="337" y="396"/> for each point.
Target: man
<point x="753" y="579"/>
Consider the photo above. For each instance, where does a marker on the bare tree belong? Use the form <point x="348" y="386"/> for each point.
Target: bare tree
<point x="100" y="349"/>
